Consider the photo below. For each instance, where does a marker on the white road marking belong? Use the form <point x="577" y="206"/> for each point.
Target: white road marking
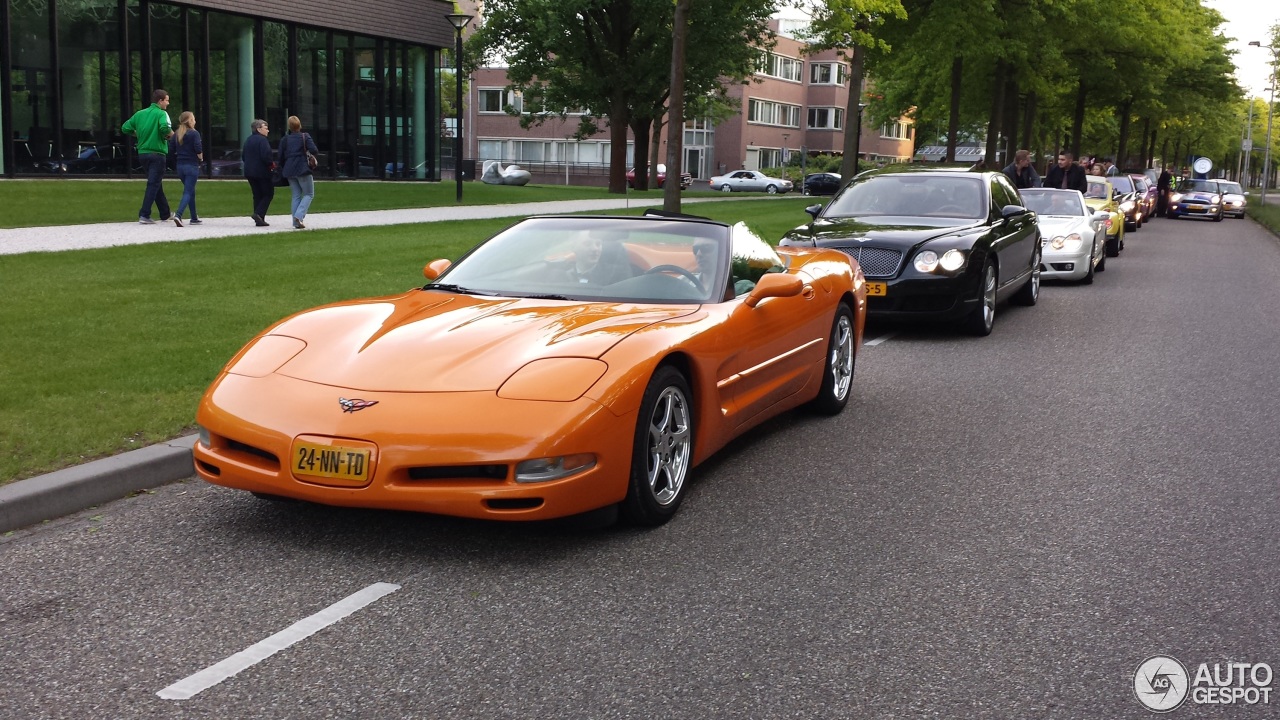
<point x="877" y="341"/>
<point x="190" y="686"/>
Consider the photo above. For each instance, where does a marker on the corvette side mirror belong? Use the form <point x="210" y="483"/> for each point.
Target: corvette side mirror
<point x="435" y="268"/>
<point x="774" y="285"/>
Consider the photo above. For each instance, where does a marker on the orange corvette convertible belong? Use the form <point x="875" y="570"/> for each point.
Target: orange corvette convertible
<point x="564" y="365"/>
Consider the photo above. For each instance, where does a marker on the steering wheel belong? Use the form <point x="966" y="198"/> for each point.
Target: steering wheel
<point x="679" y="271"/>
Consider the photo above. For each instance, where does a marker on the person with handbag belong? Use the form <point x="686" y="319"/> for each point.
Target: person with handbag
<point x="298" y="158"/>
<point x="255" y="156"/>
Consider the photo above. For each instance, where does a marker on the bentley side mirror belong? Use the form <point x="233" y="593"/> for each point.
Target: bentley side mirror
<point x="1009" y="211"/>
<point x="435" y="268"/>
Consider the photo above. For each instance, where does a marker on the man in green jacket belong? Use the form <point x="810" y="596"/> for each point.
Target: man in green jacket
<point x="152" y="127"/>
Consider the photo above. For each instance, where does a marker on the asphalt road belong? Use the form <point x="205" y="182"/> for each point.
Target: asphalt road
<point x="995" y="528"/>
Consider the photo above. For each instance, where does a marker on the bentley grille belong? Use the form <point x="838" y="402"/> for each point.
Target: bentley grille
<point x="876" y="262"/>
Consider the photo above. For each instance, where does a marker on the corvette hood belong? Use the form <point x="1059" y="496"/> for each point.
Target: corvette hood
<point x="437" y="342"/>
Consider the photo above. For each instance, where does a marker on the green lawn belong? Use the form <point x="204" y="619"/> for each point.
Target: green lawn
<point x="34" y="203"/>
<point x="1268" y="215"/>
<point x="109" y="350"/>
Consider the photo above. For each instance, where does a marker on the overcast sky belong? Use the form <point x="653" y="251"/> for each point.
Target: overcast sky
<point x="1249" y="20"/>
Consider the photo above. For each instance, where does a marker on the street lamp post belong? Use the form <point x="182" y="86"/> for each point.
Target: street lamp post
<point x="458" y="21"/>
<point x="857" y="141"/>
<point x="1266" y="162"/>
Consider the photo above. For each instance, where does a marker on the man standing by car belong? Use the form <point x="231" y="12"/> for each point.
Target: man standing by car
<point x="1021" y="172"/>
<point x="1163" y="185"/>
<point x="152" y="127"/>
<point x="1066" y="175"/>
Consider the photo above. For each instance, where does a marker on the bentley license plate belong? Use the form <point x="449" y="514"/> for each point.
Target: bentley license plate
<point x="877" y="289"/>
<point x="331" y="461"/>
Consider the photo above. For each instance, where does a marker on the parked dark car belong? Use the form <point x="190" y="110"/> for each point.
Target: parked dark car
<point x="822" y="184"/>
<point x="1130" y="201"/>
<point x="934" y="244"/>
<point x="1196" y="198"/>
<point x="686" y="179"/>
<point x="1148" y="195"/>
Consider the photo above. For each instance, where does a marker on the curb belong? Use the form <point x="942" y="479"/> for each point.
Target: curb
<point x="32" y="501"/>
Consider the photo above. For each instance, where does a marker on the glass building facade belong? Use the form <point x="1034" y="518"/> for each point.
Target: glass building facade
<point x="74" y="70"/>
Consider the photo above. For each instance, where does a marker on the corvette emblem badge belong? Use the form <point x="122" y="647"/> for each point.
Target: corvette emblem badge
<point x="356" y="404"/>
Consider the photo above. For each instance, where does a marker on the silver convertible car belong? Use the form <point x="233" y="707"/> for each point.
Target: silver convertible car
<point x="750" y="181"/>
<point x="1074" y="244"/>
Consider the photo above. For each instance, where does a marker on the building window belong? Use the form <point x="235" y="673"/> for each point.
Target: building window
<point x="770" y="157"/>
<point x="826" y="118"/>
<point x="896" y="131"/>
<point x="767" y="112"/>
<point x="780" y="66"/>
<point x="826" y="73"/>
<point x="498" y="100"/>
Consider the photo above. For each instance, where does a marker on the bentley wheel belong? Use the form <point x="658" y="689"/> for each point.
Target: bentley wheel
<point x="983" y="317"/>
<point x="662" y="452"/>
<point x="1029" y="293"/>
<point x="837" y="376"/>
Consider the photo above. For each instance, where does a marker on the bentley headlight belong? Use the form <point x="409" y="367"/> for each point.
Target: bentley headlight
<point x="553" y="468"/>
<point x="952" y="260"/>
<point x="927" y="261"/>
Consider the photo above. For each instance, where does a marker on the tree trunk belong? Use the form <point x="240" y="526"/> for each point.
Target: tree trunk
<point x="1077" y="121"/>
<point x="853" y="116"/>
<point x="1164" y="153"/>
<point x="953" y="120"/>
<point x="1151" y="150"/>
<point x="989" y="158"/>
<point x="640" y="157"/>
<point x="1010" y="122"/>
<point x="619" y="115"/>
<point x="655" y="147"/>
<point x="675" y="115"/>
<point x="1028" y="119"/>
<point x="1142" y="148"/>
<point x="1122" y="148"/>
<point x="1177" y="156"/>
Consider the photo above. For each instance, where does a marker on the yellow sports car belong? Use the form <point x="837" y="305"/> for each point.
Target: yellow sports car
<point x="1101" y="195"/>
<point x="564" y="365"/>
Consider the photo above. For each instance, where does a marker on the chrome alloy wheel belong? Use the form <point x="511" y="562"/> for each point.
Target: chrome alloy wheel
<point x="670" y="445"/>
<point x="989" y="297"/>
<point x="842" y="357"/>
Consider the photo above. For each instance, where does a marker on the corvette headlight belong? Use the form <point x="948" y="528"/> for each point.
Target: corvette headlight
<point x="927" y="261"/>
<point x="553" y="468"/>
<point x="268" y="354"/>
<point x="553" y="379"/>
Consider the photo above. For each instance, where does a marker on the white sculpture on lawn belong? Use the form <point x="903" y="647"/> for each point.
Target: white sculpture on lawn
<point x="495" y="174"/>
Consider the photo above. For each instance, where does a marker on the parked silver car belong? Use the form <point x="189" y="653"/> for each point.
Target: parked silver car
<point x="1233" y="200"/>
<point x="750" y="181"/>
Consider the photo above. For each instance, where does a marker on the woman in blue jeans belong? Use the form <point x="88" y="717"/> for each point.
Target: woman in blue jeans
<point x="190" y="152"/>
<point x="293" y="154"/>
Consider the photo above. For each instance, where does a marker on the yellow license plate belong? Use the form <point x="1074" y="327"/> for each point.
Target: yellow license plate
<point x="336" y="462"/>
<point x="877" y="289"/>
<point x="1195" y="207"/>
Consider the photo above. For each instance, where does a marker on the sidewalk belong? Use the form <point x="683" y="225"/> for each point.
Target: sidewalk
<point x="99" y="235"/>
<point x="31" y="501"/>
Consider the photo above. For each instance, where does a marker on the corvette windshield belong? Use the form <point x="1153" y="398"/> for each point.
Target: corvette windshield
<point x="912" y="196"/>
<point x="656" y="260"/>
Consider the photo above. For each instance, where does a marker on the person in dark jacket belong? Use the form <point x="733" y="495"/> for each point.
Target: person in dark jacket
<point x="1021" y="172"/>
<point x="187" y="147"/>
<point x="256" y="157"/>
<point x="293" y="155"/>
<point x="1066" y="175"/>
<point x="1163" y="186"/>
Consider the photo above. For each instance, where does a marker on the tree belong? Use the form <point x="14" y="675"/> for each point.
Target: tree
<point x="612" y="60"/>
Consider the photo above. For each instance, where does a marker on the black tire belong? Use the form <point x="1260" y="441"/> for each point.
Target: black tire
<point x="983" y="318"/>
<point x="1113" y="246"/>
<point x="837" y="373"/>
<point x="726" y="188"/>
<point x="1102" y="261"/>
<point x="772" y="189"/>
<point x="1029" y="293"/>
<point x="1088" y="276"/>
<point x="662" y="451"/>
<point x="1218" y="218"/>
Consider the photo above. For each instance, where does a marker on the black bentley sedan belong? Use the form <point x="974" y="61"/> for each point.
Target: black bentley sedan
<point x="934" y="244"/>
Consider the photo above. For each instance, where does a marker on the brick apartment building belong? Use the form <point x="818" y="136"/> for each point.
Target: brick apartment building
<point x="794" y="102"/>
